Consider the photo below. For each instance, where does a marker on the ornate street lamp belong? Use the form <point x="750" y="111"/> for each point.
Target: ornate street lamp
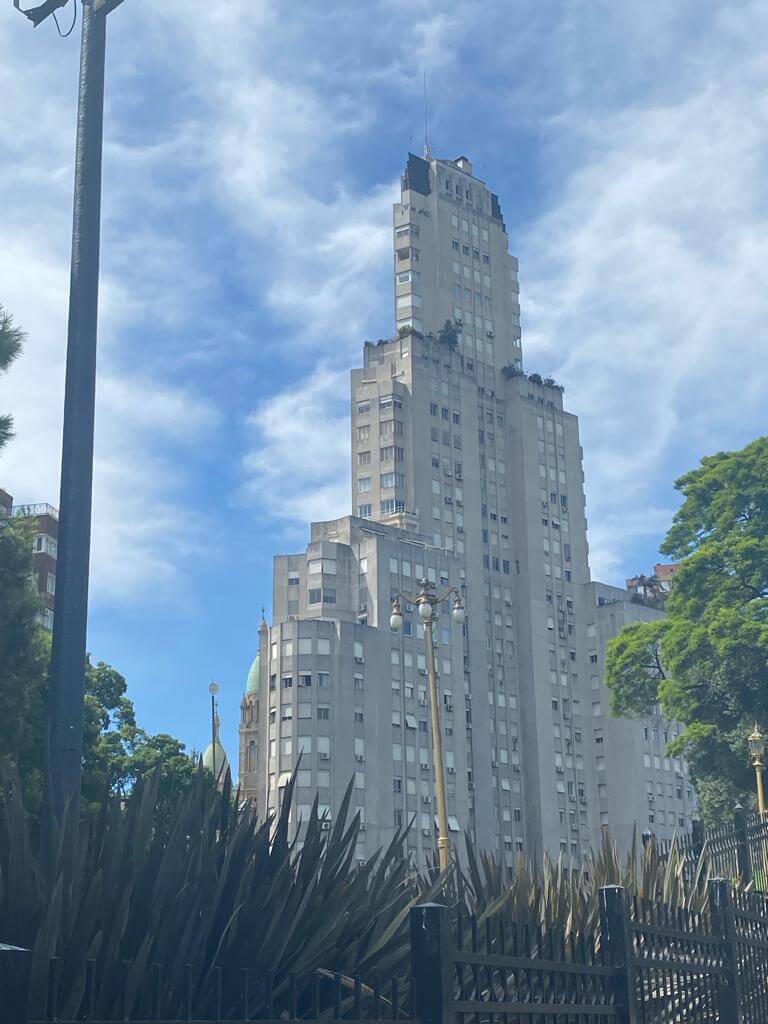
<point x="756" y="742"/>
<point x="427" y="601"/>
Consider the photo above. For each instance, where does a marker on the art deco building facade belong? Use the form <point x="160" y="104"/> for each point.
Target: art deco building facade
<point x="467" y="472"/>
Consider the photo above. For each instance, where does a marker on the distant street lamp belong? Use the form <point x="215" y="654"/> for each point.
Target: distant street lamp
<point x="213" y="689"/>
<point x="427" y="601"/>
<point x="67" y="670"/>
<point x="756" y="742"/>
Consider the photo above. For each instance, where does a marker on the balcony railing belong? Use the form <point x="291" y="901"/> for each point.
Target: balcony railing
<point x="39" y="508"/>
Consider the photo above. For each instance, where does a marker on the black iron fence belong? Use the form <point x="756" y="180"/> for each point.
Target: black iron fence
<point x="645" y="963"/>
<point x="738" y="851"/>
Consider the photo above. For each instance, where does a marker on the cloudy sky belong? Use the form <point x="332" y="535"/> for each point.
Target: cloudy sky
<point x="252" y="151"/>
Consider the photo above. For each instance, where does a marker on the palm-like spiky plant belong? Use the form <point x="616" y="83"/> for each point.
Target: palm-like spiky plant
<point x="198" y="884"/>
<point x="201" y="886"/>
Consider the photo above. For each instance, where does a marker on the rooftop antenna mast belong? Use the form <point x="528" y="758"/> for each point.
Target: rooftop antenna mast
<point x="426" y="120"/>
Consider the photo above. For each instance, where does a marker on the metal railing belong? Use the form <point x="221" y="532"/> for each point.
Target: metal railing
<point x="645" y="963"/>
<point x="39" y="508"/>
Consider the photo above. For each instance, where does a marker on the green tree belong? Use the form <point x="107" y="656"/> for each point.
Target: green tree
<point x="11" y="339"/>
<point x="706" y="663"/>
<point x="24" y="653"/>
<point x="116" y="751"/>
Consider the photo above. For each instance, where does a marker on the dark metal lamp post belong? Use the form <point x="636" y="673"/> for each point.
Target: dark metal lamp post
<point x="67" y="670"/>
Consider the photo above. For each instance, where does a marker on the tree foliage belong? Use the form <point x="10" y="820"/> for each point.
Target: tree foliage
<point x="706" y="663"/>
<point x="116" y="750"/>
<point x="24" y="653"/>
<point x="11" y="339"/>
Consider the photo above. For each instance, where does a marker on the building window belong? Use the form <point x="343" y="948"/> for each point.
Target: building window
<point x="314" y="596"/>
<point x="323" y="714"/>
<point x="363" y="484"/>
<point x="364" y="458"/>
<point x="51" y="583"/>
<point x="365" y="511"/>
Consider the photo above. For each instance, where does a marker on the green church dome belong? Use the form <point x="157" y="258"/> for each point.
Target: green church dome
<point x="252" y="685"/>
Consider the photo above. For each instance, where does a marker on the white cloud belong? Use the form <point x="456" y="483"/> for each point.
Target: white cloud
<point x="145" y="425"/>
<point x="642" y="287"/>
<point x="298" y="468"/>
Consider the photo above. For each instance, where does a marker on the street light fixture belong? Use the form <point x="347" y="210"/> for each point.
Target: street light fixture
<point x="756" y="742"/>
<point x="67" y="670"/>
<point x="427" y="601"/>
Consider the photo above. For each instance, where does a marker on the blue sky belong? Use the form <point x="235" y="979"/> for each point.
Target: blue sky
<point x="252" y="151"/>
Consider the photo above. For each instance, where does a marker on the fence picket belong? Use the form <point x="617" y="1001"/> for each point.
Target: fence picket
<point x="617" y="936"/>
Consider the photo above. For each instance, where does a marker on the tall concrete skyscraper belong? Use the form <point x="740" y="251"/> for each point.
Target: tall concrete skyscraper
<point x="468" y="472"/>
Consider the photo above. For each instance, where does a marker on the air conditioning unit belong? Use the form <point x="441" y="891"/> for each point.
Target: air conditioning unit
<point x="567" y="715"/>
<point x="494" y="764"/>
<point x="489" y="334"/>
<point x="426" y="832"/>
<point x="448" y="472"/>
<point x="359" y="757"/>
<point x="451" y="771"/>
<point x="359" y="660"/>
<point x="325" y="826"/>
<point x="582" y="799"/>
<point x="449" y="501"/>
<point x="460" y="529"/>
<point x="426" y="800"/>
<point x="423" y="701"/>
<point x="574" y="827"/>
<point x="324" y="757"/>
<point x="422" y="671"/>
<point x="460" y="502"/>
<point x="362" y="826"/>
<point x="424" y="767"/>
<point x="560" y="771"/>
<point x="470" y="785"/>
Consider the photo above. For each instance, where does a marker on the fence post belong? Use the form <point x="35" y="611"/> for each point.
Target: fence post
<point x="724" y="927"/>
<point x="431" y="963"/>
<point x="743" y="860"/>
<point x="616" y="936"/>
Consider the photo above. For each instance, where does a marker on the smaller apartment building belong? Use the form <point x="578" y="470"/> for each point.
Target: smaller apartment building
<point x="639" y="786"/>
<point x="43" y="520"/>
